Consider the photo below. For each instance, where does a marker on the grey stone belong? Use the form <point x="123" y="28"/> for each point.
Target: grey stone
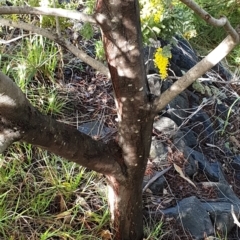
<point x="183" y="55"/>
<point x="190" y="137"/>
<point x="203" y="164"/>
<point x="202" y="125"/>
<point x="180" y="144"/>
<point x="224" y="192"/>
<point x="94" y="129"/>
<point x="158" y="153"/>
<point x="220" y="210"/>
<point x="192" y="215"/>
<point x="157" y="186"/>
<point x="148" y="59"/>
<point x="177" y="108"/>
<point x="222" y="110"/>
<point x="154" y="84"/>
<point x="193" y="98"/>
<point x="220" y="213"/>
<point x="179" y="141"/>
<point x="191" y="167"/>
<point x="235" y="164"/>
<point x="166" y="126"/>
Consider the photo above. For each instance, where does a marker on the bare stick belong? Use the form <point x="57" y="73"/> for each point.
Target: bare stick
<point x="48" y="11"/>
<point x="61" y="41"/>
<point x="155" y="177"/>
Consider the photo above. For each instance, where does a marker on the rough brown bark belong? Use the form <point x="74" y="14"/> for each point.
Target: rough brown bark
<point x="20" y="121"/>
<point x="120" y="24"/>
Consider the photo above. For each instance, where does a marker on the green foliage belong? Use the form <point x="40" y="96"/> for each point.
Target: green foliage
<point x="99" y="50"/>
<point x="89" y="6"/>
<point x="207" y="36"/>
<point x="50" y="21"/>
<point x="50" y="197"/>
<point x="37" y="57"/>
<point x="33" y="69"/>
<point x="228" y="115"/>
<point x="163" y="18"/>
<point x="155" y="231"/>
<point x="87" y="31"/>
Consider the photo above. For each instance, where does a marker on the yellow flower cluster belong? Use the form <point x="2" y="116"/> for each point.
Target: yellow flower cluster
<point x="190" y="34"/>
<point x="152" y="8"/>
<point x="157" y="10"/>
<point x="161" y="62"/>
<point x="157" y="16"/>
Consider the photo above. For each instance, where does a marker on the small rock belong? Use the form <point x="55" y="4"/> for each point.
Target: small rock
<point x="94" y="129"/>
<point x="157" y="186"/>
<point x="190" y="137"/>
<point x="235" y="164"/>
<point x="192" y="215"/>
<point x="148" y="59"/>
<point x="202" y="125"/>
<point x="166" y="126"/>
<point x="204" y="164"/>
<point x="154" y="84"/>
<point x="176" y="109"/>
<point x="220" y="213"/>
<point x="158" y="153"/>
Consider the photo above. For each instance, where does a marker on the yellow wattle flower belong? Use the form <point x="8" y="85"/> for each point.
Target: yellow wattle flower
<point x="161" y="62"/>
<point x="152" y="9"/>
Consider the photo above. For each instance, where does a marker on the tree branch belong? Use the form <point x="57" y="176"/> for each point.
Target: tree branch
<point x="61" y="41"/>
<point x="222" y="22"/>
<point x="19" y="120"/>
<point x="194" y="73"/>
<point x="57" y="12"/>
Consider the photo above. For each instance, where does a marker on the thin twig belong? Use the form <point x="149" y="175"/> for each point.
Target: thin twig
<point x="235" y="217"/>
<point x="155" y="177"/>
<point x="61" y="41"/>
<point x="2" y="41"/>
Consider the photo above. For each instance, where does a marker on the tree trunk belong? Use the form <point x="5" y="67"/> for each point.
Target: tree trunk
<point x="125" y="202"/>
<point x="121" y="32"/>
<point x="124" y="161"/>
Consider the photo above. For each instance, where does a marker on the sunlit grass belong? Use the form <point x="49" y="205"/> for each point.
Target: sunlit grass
<point x="33" y="69"/>
<point x="43" y="196"/>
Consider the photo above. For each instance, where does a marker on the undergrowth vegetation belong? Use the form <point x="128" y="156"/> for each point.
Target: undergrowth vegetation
<point x="42" y="196"/>
<point x="46" y="197"/>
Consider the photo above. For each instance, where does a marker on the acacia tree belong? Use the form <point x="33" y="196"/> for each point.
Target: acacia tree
<point x="122" y="161"/>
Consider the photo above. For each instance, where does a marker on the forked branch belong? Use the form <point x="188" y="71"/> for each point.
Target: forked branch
<point x="221" y="22"/>
<point x="220" y="52"/>
<point x="20" y="121"/>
